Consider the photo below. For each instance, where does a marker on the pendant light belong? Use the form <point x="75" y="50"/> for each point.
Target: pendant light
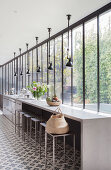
<point x="15" y="74"/>
<point x="28" y="71"/>
<point x="69" y="63"/>
<point x="21" y="73"/>
<point x="38" y="67"/>
<point x="50" y="63"/>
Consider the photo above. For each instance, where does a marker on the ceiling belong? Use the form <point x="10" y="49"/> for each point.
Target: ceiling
<point x="22" y="20"/>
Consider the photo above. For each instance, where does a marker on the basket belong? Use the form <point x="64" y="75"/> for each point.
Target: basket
<point x="57" y="124"/>
<point x="53" y="103"/>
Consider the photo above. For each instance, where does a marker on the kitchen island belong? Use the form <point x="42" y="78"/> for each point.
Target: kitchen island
<point x="95" y="130"/>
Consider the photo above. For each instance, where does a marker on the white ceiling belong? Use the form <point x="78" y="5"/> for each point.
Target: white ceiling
<point x="22" y="20"/>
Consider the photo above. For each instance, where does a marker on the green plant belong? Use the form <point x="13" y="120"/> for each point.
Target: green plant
<point x="37" y="89"/>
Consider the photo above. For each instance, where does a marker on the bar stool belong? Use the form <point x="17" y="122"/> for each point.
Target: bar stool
<point x="28" y="118"/>
<point x="20" y="123"/>
<point x="42" y="125"/>
<point x="36" y="122"/>
<point x="54" y="145"/>
<point x="21" y="116"/>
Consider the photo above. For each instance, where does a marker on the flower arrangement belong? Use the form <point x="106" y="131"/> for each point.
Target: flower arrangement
<point x="37" y="89"/>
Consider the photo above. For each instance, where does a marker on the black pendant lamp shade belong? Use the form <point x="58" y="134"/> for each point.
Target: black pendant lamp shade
<point x="28" y="71"/>
<point x="21" y="73"/>
<point x="38" y="70"/>
<point x="38" y="67"/>
<point x="15" y="74"/>
<point x="69" y="63"/>
<point x="50" y="67"/>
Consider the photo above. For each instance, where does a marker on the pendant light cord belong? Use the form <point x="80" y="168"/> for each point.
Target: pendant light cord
<point x="27" y="57"/>
<point x="14" y="62"/>
<point x="20" y="58"/>
<point x="68" y="18"/>
<point x="49" y="30"/>
<point x="37" y="50"/>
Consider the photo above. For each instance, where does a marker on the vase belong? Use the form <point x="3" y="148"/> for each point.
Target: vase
<point x="39" y="98"/>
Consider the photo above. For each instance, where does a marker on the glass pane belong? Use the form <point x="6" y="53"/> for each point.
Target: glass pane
<point x="30" y="67"/>
<point x="105" y="62"/>
<point x="27" y="65"/>
<point x="66" y="72"/>
<point x="20" y="69"/>
<point x="44" y="64"/>
<point x="10" y="79"/>
<point x="39" y="64"/>
<point x="51" y="72"/>
<point x="15" y="77"/>
<point x="44" y="59"/>
<point x="0" y="80"/>
<point x="19" y="75"/>
<point x="12" y="73"/>
<point x="6" y="79"/>
<point x="34" y="65"/>
<point x="3" y="79"/>
<point x="91" y="65"/>
<point x="24" y="72"/>
<point x="9" y="74"/>
<point x="58" y="67"/>
<point x="78" y="67"/>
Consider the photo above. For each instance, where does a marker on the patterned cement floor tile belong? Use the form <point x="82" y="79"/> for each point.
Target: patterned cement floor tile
<point x="18" y="155"/>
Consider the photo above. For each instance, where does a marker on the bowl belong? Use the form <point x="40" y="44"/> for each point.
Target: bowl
<point x="50" y="103"/>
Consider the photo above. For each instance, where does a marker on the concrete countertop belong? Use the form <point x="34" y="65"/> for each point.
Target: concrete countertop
<point x="68" y="111"/>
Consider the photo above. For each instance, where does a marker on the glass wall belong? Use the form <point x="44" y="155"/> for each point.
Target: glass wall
<point x="0" y="80"/>
<point x="90" y="49"/>
<point x="105" y="62"/>
<point x="51" y="72"/>
<point x="19" y="77"/>
<point x="6" y="79"/>
<point x="24" y="70"/>
<point x="91" y="65"/>
<point x="19" y="71"/>
<point x="44" y="65"/>
<point x="78" y="67"/>
<point x="58" y="67"/>
<point x="34" y="65"/>
<point x="66" y="71"/>
<point x="44" y="61"/>
<point x="3" y="79"/>
<point x="39" y="64"/>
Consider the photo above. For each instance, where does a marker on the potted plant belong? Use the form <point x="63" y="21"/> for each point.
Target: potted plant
<point x="37" y="89"/>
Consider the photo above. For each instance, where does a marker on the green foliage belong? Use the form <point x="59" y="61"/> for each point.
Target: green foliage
<point x="37" y="89"/>
<point x="91" y="66"/>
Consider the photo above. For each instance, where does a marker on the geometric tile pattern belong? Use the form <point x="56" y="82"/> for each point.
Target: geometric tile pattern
<point x="18" y="155"/>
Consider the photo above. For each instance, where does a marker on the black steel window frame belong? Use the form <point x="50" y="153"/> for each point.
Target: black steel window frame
<point x="61" y="33"/>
